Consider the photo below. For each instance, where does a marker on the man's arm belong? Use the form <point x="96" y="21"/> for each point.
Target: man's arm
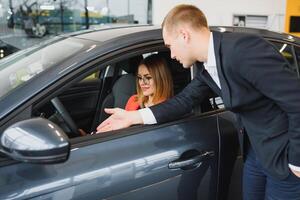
<point x="119" y="119"/>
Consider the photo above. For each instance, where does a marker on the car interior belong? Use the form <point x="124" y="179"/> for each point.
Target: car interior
<point x="81" y="106"/>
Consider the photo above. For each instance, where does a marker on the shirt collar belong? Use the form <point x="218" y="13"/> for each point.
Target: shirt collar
<point x="211" y="58"/>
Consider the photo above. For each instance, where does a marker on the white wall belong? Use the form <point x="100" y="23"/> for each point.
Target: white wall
<point x="126" y="7"/>
<point x="220" y="12"/>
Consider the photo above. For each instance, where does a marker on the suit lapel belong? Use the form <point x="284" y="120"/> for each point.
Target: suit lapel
<point x="226" y="95"/>
<point x="208" y="80"/>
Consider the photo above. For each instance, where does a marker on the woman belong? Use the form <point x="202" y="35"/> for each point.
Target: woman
<point x="154" y="83"/>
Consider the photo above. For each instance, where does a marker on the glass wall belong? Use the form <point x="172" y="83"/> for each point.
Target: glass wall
<point x="24" y="23"/>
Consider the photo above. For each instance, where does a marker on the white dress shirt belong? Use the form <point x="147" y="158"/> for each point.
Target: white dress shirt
<point x="147" y="116"/>
<point x="211" y="67"/>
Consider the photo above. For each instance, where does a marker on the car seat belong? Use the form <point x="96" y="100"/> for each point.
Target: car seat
<point x="123" y="88"/>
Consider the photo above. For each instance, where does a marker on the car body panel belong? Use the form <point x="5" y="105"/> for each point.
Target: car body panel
<point x="123" y="168"/>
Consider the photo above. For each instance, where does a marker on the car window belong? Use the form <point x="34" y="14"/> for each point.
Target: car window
<point x="286" y="50"/>
<point x="93" y="76"/>
<point x="24" y="65"/>
<point x="217" y="102"/>
<point x="117" y="82"/>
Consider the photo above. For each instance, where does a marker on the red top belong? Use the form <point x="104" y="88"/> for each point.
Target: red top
<point x="132" y="103"/>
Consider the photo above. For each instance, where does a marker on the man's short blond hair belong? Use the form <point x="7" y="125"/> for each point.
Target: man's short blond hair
<point x="185" y="14"/>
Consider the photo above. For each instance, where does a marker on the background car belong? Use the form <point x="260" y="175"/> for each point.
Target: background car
<point x="6" y="49"/>
<point x="49" y="91"/>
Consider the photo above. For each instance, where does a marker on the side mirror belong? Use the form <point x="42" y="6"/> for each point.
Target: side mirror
<point x="36" y="140"/>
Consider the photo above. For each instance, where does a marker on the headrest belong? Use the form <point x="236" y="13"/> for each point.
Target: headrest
<point x="123" y="89"/>
<point x="130" y="65"/>
<point x="175" y="66"/>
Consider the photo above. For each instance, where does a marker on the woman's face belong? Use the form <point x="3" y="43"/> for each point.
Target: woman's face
<point x="145" y="81"/>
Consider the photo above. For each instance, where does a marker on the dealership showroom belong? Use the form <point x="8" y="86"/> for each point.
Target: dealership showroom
<point x="149" y="99"/>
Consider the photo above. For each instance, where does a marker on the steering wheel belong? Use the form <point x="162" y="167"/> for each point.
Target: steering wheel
<point x="65" y="116"/>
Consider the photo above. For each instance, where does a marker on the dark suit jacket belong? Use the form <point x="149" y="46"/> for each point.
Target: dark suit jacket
<point x="257" y="86"/>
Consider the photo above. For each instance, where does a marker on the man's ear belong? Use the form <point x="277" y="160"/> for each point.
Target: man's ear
<point x="185" y="35"/>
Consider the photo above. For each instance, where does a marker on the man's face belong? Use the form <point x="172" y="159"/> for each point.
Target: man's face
<point x="179" y="46"/>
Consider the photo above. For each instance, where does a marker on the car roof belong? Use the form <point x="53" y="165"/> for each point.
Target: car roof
<point x="262" y="32"/>
<point x="111" y="32"/>
<point x="105" y="34"/>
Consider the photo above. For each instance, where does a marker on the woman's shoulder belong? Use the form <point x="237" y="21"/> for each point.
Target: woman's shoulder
<point x="132" y="103"/>
<point x="133" y="98"/>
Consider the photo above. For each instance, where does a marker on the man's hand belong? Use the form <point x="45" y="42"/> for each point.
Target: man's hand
<point x="296" y="173"/>
<point x="119" y="119"/>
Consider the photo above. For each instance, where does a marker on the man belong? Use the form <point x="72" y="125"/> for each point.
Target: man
<point x="253" y="80"/>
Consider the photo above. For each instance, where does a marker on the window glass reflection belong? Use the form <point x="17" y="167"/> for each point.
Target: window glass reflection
<point x="286" y="51"/>
<point x="17" y="69"/>
<point x="24" y="23"/>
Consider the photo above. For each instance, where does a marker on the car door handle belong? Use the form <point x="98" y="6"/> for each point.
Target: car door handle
<point x="191" y="162"/>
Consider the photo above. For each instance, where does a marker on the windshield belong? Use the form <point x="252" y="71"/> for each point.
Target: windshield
<point x="20" y="67"/>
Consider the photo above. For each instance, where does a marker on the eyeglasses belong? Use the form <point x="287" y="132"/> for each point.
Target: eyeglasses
<point x="146" y="79"/>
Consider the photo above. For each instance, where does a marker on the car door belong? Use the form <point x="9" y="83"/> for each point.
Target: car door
<point x="170" y="161"/>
